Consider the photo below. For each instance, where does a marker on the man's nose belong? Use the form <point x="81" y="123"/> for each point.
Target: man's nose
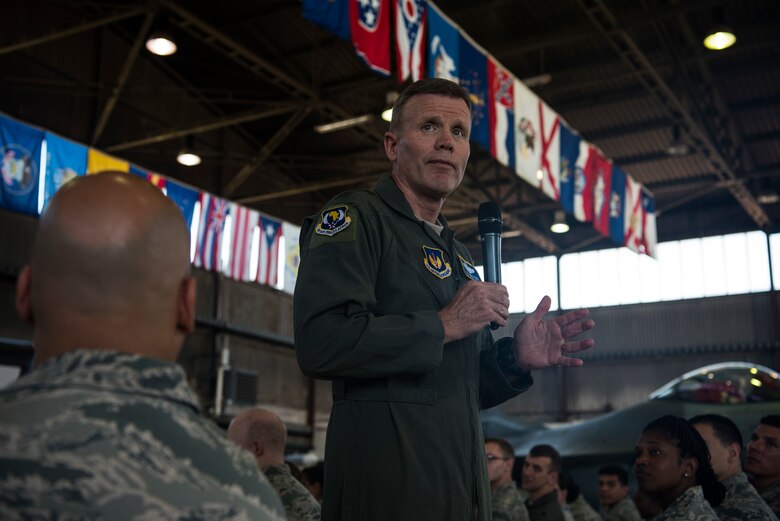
<point x="445" y="141"/>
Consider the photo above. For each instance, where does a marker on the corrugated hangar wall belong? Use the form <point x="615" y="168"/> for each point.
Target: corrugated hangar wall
<point x="638" y="347"/>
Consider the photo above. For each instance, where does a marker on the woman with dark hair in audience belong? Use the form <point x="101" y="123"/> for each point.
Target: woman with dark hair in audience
<point x="672" y="467"/>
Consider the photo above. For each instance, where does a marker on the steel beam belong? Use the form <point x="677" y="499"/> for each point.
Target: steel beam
<point x="310" y="187"/>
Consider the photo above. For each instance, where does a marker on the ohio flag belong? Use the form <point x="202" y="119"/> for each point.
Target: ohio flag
<point x="244" y="224"/>
<point x="410" y="39"/>
<point x="268" y="262"/>
<point x="501" y="108"/>
<point x="369" y="22"/>
<point x="213" y="212"/>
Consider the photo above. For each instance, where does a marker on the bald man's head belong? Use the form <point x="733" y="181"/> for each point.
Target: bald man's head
<point x="110" y="267"/>
<point x="262" y="433"/>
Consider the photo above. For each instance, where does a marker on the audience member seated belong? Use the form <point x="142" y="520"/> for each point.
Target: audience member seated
<point x="763" y="460"/>
<point x="105" y="426"/>
<point x="540" y="480"/>
<point x="580" y="509"/>
<point x="672" y="466"/>
<point x="724" y="442"/>
<point x="614" y="495"/>
<point x="264" y="435"/>
<point x="506" y="501"/>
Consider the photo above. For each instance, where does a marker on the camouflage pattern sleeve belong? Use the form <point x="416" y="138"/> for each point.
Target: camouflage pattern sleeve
<point x="689" y="506"/>
<point x="582" y="511"/>
<point x="624" y="510"/>
<point x="507" y="503"/>
<point x="298" y="502"/>
<point x="772" y="498"/>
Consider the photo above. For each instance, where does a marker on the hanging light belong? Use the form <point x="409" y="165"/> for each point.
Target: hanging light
<point x="390" y="98"/>
<point x="341" y="124"/>
<point x="677" y="147"/>
<point x="187" y="155"/>
<point x="559" y="225"/>
<point x="161" y="44"/>
<point x="720" y="38"/>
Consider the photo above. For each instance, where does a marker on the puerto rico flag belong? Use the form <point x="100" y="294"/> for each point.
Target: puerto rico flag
<point x="213" y="212"/>
<point x="268" y="262"/>
<point x="443" y="46"/>
<point x="501" y="110"/>
<point x="369" y="22"/>
<point x="244" y="224"/>
<point x="634" y="218"/>
<point x="617" y="206"/>
<point x="602" y="187"/>
<point x="570" y="151"/>
<point x="410" y="39"/>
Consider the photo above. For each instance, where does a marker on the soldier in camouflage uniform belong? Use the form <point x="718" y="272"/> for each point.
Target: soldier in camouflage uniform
<point x="614" y="494"/>
<point x="724" y="442"/>
<point x="506" y="501"/>
<point x="672" y="466"/>
<point x="106" y="426"/>
<point x="540" y="480"/>
<point x="763" y="460"/>
<point x="264" y="435"/>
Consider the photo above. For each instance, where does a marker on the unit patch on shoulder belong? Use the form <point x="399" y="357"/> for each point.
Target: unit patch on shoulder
<point x="433" y="258"/>
<point x="469" y="269"/>
<point x="333" y="220"/>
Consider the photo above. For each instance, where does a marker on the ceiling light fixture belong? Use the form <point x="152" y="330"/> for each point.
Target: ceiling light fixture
<point x="161" y="44"/>
<point x="559" y="224"/>
<point x="390" y="98"/>
<point x="344" y="123"/>
<point x="187" y="155"/>
<point x="720" y="38"/>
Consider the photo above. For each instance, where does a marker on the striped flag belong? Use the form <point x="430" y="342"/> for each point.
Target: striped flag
<point x="212" y="225"/>
<point x="244" y="224"/>
<point x="501" y="110"/>
<point x="634" y="218"/>
<point x="268" y="262"/>
<point x="410" y="39"/>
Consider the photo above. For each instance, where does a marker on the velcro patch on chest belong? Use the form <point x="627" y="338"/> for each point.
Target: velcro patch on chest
<point x="469" y="269"/>
<point x="434" y="261"/>
<point x="333" y="220"/>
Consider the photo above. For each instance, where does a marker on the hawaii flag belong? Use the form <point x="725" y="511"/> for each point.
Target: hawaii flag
<point x="410" y="39"/>
<point x="212" y="225"/>
<point x="268" y="261"/>
<point x="537" y="142"/>
<point x="244" y="224"/>
<point x="501" y="113"/>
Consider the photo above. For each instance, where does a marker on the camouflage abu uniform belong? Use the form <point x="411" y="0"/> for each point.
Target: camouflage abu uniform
<point x="623" y="510"/>
<point x="507" y="503"/>
<point x="742" y="502"/>
<point x="105" y="435"/>
<point x="772" y="497"/>
<point x="582" y="511"/>
<point x="688" y="506"/>
<point x="298" y="502"/>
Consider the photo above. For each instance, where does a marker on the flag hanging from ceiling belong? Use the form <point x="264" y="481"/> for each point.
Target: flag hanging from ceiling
<point x="633" y="216"/>
<point x="244" y="223"/>
<point x="602" y="188"/>
<point x="528" y="135"/>
<point x="160" y="181"/>
<point x="649" y="232"/>
<point x="570" y="151"/>
<point x="65" y="160"/>
<point x="292" y="255"/>
<point x="410" y="39"/>
<point x="583" y="183"/>
<point x="501" y="110"/>
<point x="474" y="78"/>
<point x="184" y="197"/>
<point x="369" y="22"/>
<point x="549" y="125"/>
<point x="268" y="259"/>
<point x="213" y="212"/>
<point x="332" y="15"/>
<point x="97" y="161"/>
<point x="20" y="152"/>
<point x="617" y="206"/>
<point x="443" y="46"/>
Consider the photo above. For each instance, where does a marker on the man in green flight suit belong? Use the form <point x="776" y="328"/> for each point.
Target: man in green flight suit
<point x="389" y="307"/>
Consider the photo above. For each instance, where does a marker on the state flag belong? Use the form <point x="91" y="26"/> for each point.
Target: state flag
<point x="244" y="224"/>
<point x="184" y="197"/>
<point x="633" y="218"/>
<point x="617" y="206"/>
<point x="160" y="181"/>
<point x="65" y="160"/>
<point x="501" y="112"/>
<point x="474" y="78"/>
<point x="97" y="161"/>
<point x="369" y="22"/>
<point x="213" y="212"/>
<point x="570" y="151"/>
<point x="20" y="150"/>
<point x="292" y="255"/>
<point x="443" y="46"/>
<point x="410" y="39"/>
<point x="602" y="192"/>
<point x="332" y="15"/>
<point x="268" y="258"/>
<point x="649" y="232"/>
<point x="583" y="183"/>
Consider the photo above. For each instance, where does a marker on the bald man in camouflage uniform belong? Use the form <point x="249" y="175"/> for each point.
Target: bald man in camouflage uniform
<point x="724" y="441"/>
<point x="263" y="434"/>
<point x="106" y="426"/>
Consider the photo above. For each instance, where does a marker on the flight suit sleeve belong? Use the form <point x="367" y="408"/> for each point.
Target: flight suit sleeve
<point x="495" y="386"/>
<point x="337" y="332"/>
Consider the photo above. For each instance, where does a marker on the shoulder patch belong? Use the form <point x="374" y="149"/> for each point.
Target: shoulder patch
<point x="333" y="220"/>
<point x="434" y="261"/>
<point x="469" y="269"/>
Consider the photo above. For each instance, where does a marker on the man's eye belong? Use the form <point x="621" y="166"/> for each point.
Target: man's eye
<point x="428" y="126"/>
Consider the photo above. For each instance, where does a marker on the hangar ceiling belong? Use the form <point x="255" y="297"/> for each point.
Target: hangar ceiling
<point x="251" y="79"/>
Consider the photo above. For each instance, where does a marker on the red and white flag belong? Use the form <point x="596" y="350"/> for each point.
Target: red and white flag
<point x="634" y="216"/>
<point x="244" y="225"/>
<point x="268" y="262"/>
<point x="369" y="23"/>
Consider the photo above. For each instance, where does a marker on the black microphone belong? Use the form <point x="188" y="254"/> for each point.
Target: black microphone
<point x="490" y="226"/>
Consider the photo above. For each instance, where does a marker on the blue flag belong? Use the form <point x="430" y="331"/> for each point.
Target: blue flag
<point x="443" y="46"/>
<point x="474" y="78"/>
<point x="332" y="15"/>
<point x="184" y="197"/>
<point x="617" y="209"/>
<point x="65" y="159"/>
<point x="570" y="151"/>
<point x="20" y="152"/>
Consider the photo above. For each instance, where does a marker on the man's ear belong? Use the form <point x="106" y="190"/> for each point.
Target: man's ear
<point x="24" y="297"/>
<point x="734" y="452"/>
<point x="185" y="306"/>
<point x="257" y="449"/>
<point x="391" y="141"/>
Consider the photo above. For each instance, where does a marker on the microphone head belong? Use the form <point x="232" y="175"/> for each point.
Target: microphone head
<point x="489" y="218"/>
